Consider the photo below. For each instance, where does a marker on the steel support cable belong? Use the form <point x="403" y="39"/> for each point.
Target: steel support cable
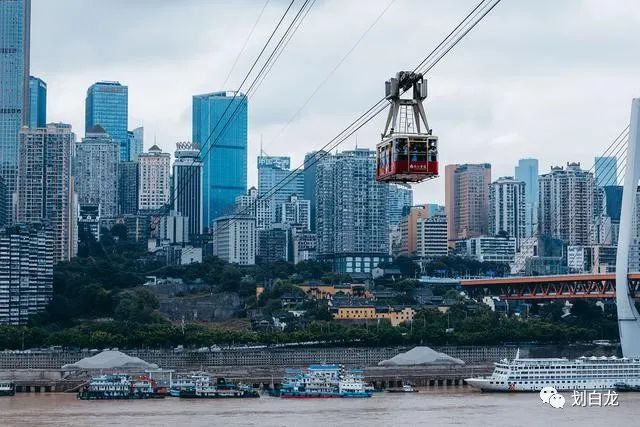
<point x="246" y="42"/>
<point x="333" y="71"/>
<point x="206" y="143"/>
<point x="615" y="144"/>
<point x="284" y="46"/>
<point x="459" y="32"/>
<point x="614" y="149"/>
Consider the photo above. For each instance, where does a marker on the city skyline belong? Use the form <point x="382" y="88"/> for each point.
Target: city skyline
<point x="468" y="114"/>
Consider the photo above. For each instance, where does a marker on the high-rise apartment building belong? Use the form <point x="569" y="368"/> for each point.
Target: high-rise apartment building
<point x="527" y="172"/>
<point x="352" y="221"/>
<point x="154" y="173"/>
<point x="507" y="208"/>
<point x="276" y="184"/>
<point x="26" y="272"/>
<point x="96" y="171"/>
<point x="220" y="128"/>
<point x="295" y="211"/>
<point x="566" y="204"/>
<point x="431" y="237"/>
<point x="309" y="171"/>
<point x="400" y="201"/>
<point x="234" y="239"/>
<point x="187" y="185"/>
<point x="107" y="105"/>
<point x="37" y="103"/>
<point x="136" y="143"/>
<point x="15" y="22"/>
<point x="408" y="230"/>
<point x="467" y="200"/>
<point x="45" y="186"/>
<point x="128" y="188"/>
<point x="606" y="170"/>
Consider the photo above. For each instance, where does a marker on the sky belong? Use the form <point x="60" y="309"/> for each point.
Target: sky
<point x="536" y="78"/>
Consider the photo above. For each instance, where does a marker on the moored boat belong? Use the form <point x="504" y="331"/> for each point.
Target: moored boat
<point x="7" y="388"/>
<point x="119" y="387"/>
<point x="222" y="389"/>
<point x="406" y="388"/>
<point x="323" y="381"/>
<point x="585" y="373"/>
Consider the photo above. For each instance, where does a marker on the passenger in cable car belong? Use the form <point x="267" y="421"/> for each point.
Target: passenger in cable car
<point x="419" y="151"/>
<point x="401" y="149"/>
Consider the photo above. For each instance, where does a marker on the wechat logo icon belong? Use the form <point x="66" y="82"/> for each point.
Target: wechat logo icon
<point x="551" y="396"/>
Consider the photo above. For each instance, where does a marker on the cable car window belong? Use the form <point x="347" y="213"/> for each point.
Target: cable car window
<point x="433" y="150"/>
<point x="401" y="151"/>
<point x="419" y="151"/>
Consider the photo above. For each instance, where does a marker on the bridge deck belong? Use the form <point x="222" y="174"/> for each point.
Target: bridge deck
<point x="569" y="286"/>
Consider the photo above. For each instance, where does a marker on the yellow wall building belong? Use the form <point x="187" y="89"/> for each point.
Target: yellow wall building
<point x="395" y="317"/>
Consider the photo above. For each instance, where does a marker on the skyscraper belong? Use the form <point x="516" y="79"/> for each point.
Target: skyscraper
<point x="606" y="171"/>
<point x="107" y="105"/>
<point x="352" y="221"/>
<point x="507" y="208"/>
<point x="4" y="205"/>
<point x="220" y="128"/>
<point x="310" y="161"/>
<point x="37" y="103"/>
<point x="566" y="204"/>
<point x="295" y="211"/>
<point x="154" y="172"/>
<point x="26" y="272"/>
<point x="15" y="22"/>
<point x="527" y="172"/>
<point x="96" y="171"/>
<point x="276" y="184"/>
<point x="128" y="188"/>
<point x="467" y="200"/>
<point x="136" y="143"/>
<point x="45" y="186"/>
<point x="400" y="201"/>
<point x="431" y="237"/>
<point x="187" y="185"/>
<point x="409" y="226"/>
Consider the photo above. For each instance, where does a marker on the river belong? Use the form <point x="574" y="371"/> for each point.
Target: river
<point x="433" y="407"/>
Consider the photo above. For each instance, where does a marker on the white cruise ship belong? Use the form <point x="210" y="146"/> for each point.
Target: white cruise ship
<point x="585" y="373"/>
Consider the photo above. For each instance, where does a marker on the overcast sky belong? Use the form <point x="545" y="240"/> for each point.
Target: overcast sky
<point x="537" y="78"/>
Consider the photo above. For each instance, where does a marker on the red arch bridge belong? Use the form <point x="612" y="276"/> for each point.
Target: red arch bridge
<point x="569" y="286"/>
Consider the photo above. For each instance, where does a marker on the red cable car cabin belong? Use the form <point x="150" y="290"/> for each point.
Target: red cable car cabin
<point x="407" y="158"/>
<point x="408" y="151"/>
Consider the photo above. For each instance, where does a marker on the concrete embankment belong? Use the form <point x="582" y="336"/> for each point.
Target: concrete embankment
<point x="40" y="371"/>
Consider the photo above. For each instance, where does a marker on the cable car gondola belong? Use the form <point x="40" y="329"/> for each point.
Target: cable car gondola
<point x="408" y="152"/>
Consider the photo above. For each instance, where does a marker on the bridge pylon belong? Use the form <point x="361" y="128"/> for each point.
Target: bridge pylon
<point x="628" y="317"/>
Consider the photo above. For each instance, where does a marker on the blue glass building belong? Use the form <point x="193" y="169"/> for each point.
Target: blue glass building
<point x="527" y="171"/>
<point x="606" y="171"/>
<point x="136" y="143"/>
<point x="15" y="18"/>
<point x="225" y="164"/>
<point x="107" y="105"/>
<point x="37" y="103"/>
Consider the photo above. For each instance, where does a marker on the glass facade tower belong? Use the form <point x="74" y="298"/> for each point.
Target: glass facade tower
<point x="223" y="115"/>
<point x="527" y="171"/>
<point x="37" y="103"/>
<point x="107" y="105"/>
<point x="606" y="171"/>
<point x="15" y="19"/>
